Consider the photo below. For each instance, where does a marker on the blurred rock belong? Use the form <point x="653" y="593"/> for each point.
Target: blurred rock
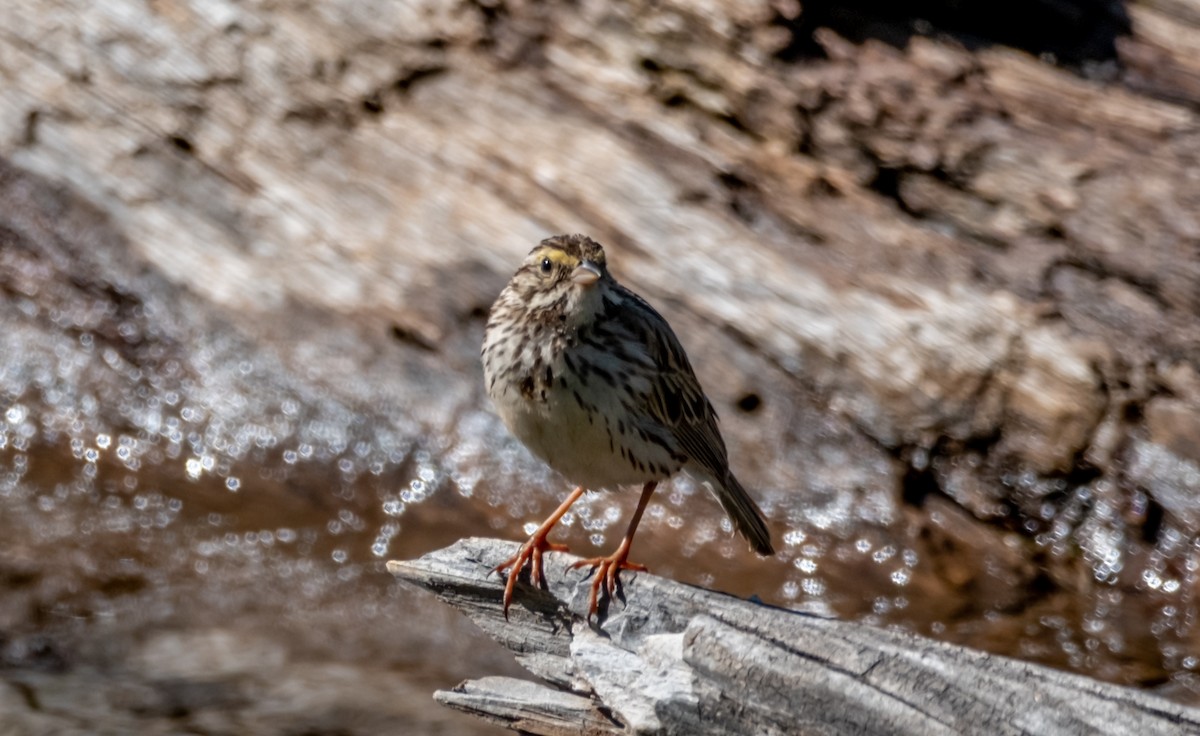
<point x="1176" y="425"/>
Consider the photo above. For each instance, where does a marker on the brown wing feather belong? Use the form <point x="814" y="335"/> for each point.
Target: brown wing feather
<point x="676" y="401"/>
<point x="678" y="404"/>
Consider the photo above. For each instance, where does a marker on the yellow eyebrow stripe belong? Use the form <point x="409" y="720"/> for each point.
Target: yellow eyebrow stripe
<point x="559" y="257"/>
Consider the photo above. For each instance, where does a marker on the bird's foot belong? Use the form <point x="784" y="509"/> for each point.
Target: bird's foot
<point x="530" y="554"/>
<point x="606" y="571"/>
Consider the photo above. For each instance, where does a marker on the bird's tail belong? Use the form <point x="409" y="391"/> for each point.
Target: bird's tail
<point x="746" y="516"/>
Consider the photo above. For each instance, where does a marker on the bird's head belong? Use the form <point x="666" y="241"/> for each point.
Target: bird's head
<point x="561" y="273"/>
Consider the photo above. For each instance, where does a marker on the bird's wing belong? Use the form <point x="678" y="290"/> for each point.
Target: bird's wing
<point x="676" y="401"/>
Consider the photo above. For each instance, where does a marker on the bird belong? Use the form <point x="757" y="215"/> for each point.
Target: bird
<point x="595" y="383"/>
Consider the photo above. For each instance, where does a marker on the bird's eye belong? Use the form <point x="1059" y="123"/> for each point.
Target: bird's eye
<point x="546" y="265"/>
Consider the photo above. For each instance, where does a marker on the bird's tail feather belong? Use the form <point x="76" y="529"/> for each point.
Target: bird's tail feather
<point x="746" y="516"/>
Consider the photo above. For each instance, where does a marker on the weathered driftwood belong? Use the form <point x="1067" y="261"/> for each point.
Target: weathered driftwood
<point x="673" y="658"/>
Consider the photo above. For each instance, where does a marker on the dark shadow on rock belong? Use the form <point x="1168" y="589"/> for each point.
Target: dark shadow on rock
<point x="1073" y="32"/>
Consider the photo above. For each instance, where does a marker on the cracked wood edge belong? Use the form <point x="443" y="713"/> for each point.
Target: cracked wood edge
<point x="529" y="707"/>
<point x="673" y="658"/>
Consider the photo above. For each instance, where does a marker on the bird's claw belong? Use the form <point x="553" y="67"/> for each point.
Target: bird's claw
<point x="606" y="572"/>
<point x="530" y="553"/>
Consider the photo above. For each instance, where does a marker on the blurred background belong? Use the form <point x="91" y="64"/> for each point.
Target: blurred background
<point x="938" y="266"/>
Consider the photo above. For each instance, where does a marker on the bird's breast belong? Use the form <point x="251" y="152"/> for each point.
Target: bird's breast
<point x="583" y="432"/>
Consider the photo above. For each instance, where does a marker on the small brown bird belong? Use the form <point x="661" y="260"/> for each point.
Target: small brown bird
<point x="595" y="383"/>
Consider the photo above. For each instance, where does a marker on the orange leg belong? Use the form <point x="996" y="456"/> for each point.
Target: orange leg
<point x="608" y="568"/>
<point x="531" y="551"/>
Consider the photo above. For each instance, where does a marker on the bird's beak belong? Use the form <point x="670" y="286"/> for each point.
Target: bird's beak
<point x="586" y="273"/>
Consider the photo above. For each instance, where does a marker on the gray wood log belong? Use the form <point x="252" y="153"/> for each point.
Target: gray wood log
<point x="669" y="658"/>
